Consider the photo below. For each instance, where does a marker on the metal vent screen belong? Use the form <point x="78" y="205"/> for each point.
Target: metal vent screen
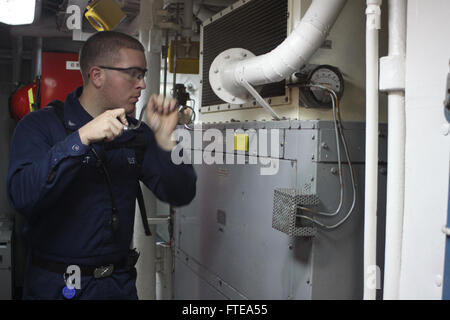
<point x="259" y="26"/>
<point x="284" y="215"/>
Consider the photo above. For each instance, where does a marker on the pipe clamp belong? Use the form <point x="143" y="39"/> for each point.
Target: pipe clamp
<point x="392" y="73"/>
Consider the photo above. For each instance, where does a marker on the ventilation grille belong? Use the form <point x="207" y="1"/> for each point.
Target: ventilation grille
<point x="258" y="26"/>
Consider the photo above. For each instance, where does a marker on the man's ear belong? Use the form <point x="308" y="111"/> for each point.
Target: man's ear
<point x="96" y="76"/>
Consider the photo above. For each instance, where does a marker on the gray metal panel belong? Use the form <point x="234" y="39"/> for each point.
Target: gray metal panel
<point x="5" y="284"/>
<point x="355" y="137"/>
<point x="189" y="285"/>
<point x="225" y="232"/>
<point x="254" y="134"/>
<point x="5" y="248"/>
<point x="301" y="146"/>
<point x="338" y="254"/>
<point x="205" y="280"/>
<point x="245" y="252"/>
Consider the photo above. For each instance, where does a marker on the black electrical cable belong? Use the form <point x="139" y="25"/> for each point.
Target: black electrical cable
<point x="115" y="218"/>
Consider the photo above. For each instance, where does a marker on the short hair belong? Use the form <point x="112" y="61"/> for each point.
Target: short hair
<point x="103" y="48"/>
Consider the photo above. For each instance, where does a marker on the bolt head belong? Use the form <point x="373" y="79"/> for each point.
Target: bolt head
<point x="445" y="129"/>
<point x="438" y="280"/>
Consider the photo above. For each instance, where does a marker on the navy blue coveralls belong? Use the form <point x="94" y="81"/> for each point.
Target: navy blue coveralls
<point x="55" y="182"/>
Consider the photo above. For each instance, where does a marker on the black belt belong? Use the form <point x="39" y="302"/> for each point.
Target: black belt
<point x="96" y="271"/>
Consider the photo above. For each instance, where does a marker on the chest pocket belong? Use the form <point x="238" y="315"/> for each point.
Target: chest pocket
<point x="122" y="164"/>
<point x="91" y="169"/>
<point x="127" y="163"/>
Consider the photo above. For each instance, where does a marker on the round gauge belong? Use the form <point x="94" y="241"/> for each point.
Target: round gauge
<point x="324" y="75"/>
<point x="329" y="77"/>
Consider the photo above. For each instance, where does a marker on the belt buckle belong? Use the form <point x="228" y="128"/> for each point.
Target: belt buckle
<point x="104" y="271"/>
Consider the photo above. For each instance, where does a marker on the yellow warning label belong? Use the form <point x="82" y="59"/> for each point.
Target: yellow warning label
<point x="241" y="142"/>
<point x="30" y="98"/>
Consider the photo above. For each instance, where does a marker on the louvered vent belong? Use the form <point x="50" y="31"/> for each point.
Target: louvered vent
<point x="259" y="26"/>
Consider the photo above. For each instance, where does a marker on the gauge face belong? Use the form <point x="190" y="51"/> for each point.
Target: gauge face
<point x="328" y="77"/>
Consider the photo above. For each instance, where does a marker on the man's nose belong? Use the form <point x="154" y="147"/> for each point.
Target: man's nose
<point x="141" y="84"/>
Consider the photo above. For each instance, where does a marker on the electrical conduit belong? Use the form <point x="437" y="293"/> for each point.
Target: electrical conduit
<point x="392" y="80"/>
<point x="373" y="13"/>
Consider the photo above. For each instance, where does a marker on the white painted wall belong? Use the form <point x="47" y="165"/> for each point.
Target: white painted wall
<point x="427" y="149"/>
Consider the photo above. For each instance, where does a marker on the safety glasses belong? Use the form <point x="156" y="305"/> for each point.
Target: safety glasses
<point x="135" y="73"/>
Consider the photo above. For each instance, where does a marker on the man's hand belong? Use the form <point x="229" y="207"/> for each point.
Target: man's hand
<point x="162" y="117"/>
<point x="104" y="127"/>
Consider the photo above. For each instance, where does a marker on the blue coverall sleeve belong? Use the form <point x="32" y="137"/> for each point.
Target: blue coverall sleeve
<point x="38" y="170"/>
<point x="171" y="183"/>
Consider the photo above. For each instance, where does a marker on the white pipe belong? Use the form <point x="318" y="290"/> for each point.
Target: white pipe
<point x="188" y="13"/>
<point x="373" y="13"/>
<point x="396" y="153"/>
<point x="297" y="49"/>
<point x="202" y="13"/>
<point x="290" y="55"/>
<point x="150" y="38"/>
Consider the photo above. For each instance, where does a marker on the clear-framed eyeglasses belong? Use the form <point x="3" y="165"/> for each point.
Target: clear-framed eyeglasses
<point x="135" y="73"/>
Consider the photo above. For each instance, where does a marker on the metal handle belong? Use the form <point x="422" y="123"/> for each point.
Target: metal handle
<point x="258" y="98"/>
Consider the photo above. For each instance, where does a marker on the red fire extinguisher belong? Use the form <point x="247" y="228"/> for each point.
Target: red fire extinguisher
<point x="25" y="100"/>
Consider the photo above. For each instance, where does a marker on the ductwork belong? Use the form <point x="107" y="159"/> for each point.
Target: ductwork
<point x="202" y="13"/>
<point x="309" y="34"/>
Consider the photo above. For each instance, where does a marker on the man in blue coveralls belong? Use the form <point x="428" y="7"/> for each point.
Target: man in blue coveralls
<point x="78" y="193"/>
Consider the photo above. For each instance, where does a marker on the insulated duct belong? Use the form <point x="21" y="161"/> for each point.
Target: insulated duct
<point x="235" y="70"/>
<point x="201" y="13"/>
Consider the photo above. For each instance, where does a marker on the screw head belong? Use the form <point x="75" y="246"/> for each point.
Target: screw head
<point x="445" y="129"/>
<point x="438" y="280"/>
